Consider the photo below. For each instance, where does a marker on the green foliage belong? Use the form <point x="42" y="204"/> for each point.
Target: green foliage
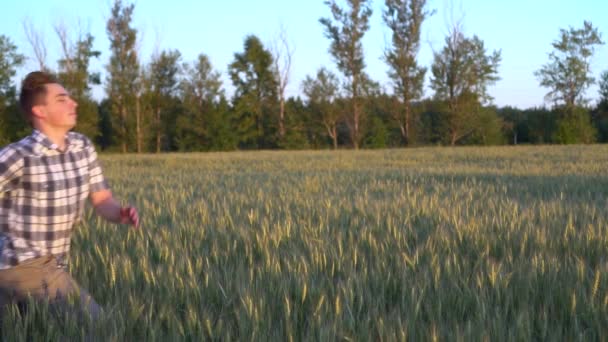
<point x="296" y="137"/>
<point x="346" y="32"/>
<point x="255" y="98"/>
<point x="106" y="131"/>
<point x="221" y="134"/>
<point x="321" y="93"/>
<point x="75" y="76"/>
<point x="568" y="73"/>
<point x="603" y="83"/>
<point x="600" y="115"/>
<point x="431" y="126"/>
<point x="170" y="106"/>
<point x="434" y="126"/>
<point x="122" y="82"/>
<point x="12" y="123"/>
<point x="513" y="125"/>
<point x="381" y="129"/>
<point x="377" y="134"/>
<point x="74" y="71"/>
<point x="600" y="121"/>
<point x="464" y="69"/>
<point x="542" y="124"/>
<point x="170" y="114"/>
<point x="489" y="129"/>
<point x="163" y="82"/>
<point x="404" y="18"/>
<point x="461" y="73"/>
<point x="10" y="60"/>
<point x="575" y="128"/>
<point x="206" y="122"/>
<point x="88" y="118"/>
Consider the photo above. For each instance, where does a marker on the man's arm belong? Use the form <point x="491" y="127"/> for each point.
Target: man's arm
<point x="101" y="196"/>
<point x="108" y="208"/>
<point x="11" y="168"/>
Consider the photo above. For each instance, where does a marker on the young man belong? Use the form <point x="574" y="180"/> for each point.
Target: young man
<point x="45" y="180"/>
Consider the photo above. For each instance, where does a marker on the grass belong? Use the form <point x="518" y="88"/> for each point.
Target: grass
<point x="502" y="243"/>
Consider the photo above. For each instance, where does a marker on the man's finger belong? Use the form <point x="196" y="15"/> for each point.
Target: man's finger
<point x="124" y="212"/>
<point x="133" y="216"/>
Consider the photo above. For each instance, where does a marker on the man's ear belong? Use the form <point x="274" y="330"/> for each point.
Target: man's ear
<point x="38" y="111"/>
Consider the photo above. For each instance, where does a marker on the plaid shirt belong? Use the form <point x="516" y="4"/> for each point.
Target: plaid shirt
<point x="43" y="191"/>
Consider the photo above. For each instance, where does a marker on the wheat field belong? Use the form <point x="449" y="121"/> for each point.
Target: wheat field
<point x="465" y="244"/>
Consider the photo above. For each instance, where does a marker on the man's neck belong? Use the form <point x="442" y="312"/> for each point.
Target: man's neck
<point x="56" y="137"/>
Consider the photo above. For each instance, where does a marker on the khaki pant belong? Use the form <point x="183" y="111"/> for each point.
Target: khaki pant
<point x="41" y="279"/>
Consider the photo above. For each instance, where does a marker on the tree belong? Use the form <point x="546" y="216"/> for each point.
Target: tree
<point x="575" y="128"/>
<point x="379" y="106"/>
<point x="603" y="103"/>
<point x="38" y="44"/>
<point x="461" y="73"/>
<point x="123" y="69"/>
<point x="142" y="108"/>
<point x="10" y="122"/>
<point x="568" y="73"/>
<point x="404" y="18"/>
<point x="203" y="124"/>
<point x="541" y="124"/>
<point x="10" y="59"/>
<point x="431" y="125"/>
<point x="221" y="134"/>
<point x="377" y="136"/>
<point x="106" y="131"/>
<point x="75" y="76"/>
<point x="600" y="116"/>
<point x="346" y="48"/>
<point x="322" y="92"/>
<point x="513" y="124"/>
<point x="489" y="128"/>
<point x="283" y="54"/>
<point x="164" y="85"/>
<point x="255" y="94"/>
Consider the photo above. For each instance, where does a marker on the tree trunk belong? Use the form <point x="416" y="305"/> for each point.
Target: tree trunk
<point x="333" y="134"/>
<point x="335" y="138"/>
<point x="123" y="123"/>
<point x="282" y="118"/>
<point x="158" y="130"/>
<point x="260" y="138"/>
<point x="138" y="124"/>
<point x="403" y="134"/>
<point x="355" y="133"/>
<point x="406" y="135"/>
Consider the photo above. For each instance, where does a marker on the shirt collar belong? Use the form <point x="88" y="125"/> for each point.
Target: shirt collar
<point x="44" y="140"/>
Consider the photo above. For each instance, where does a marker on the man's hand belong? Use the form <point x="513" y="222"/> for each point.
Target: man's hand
<point x="107" y="207"/>
<point x="128" y="215"/>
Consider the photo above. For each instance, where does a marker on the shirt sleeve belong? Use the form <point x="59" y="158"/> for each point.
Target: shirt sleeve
<point x="11" y="169"/>
<point x="97" y="181"/>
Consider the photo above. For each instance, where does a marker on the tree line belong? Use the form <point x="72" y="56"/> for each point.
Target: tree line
<point x="170" y="104"/>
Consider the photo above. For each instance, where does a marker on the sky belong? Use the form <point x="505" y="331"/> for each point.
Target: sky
<point x="522" y="30"/>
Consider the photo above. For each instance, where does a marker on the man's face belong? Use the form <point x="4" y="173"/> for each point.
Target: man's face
<point x="58" y="109"/>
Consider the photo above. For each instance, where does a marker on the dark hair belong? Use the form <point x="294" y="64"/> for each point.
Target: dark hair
<point x="33" y="91"/>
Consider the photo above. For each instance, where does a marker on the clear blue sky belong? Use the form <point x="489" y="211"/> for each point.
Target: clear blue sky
<point x="522" y="29"/>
